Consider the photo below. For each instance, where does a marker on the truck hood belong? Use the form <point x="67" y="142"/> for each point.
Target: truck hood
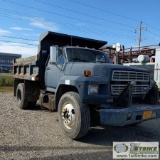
<point x="100" y="69"/>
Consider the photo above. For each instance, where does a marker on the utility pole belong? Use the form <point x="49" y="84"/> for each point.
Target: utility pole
<point x="140" y="35"/>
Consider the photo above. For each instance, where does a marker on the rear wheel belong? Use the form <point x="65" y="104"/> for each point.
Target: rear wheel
<point x="22" y="102"/>
<point x="74" y="116"/>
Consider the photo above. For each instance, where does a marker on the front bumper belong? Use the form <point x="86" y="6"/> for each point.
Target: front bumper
<point x="126" y="116"/>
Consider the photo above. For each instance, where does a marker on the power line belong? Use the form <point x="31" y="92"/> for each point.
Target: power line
<point x="78" y="29"/>
<point x="65" y="23"/>
<point x="152" y="26"/>
<point x="18" y="43"/>
<point x="63" y="15"/>
<point x="60" y="14"/>
<point x="153" y="33"/>
<point x="103" y="10"/>
<point x="111" y="13"/>
<point x="18" y="38"/>
<point x="84" y="14"/>
<point x="88" y="31"/>
<point x="65" y="26"/>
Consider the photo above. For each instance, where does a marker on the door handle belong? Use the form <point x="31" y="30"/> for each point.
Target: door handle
<point x="48" y="68"/>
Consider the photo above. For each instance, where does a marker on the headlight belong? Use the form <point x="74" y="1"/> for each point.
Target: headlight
<point x="93" y="89"/>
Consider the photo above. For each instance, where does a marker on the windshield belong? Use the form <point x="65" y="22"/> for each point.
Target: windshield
<point x="86" y="55"/>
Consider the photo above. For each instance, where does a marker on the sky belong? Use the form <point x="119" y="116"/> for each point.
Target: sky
<point x="114" y="21"/>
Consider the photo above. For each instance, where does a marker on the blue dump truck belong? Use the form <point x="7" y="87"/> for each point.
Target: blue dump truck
<point x="72" y="76"/>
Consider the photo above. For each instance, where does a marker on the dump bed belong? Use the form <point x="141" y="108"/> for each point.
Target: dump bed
<point x="26" y="68"/>
<point x="33" y="68"/>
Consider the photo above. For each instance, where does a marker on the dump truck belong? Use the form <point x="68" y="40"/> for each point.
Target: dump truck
<point x="72" y="76"/>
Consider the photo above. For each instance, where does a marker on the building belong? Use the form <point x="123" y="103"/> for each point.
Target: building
<point x="6" y="61"/>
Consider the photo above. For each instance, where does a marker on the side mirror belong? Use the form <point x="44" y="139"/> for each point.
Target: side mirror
<point x="53" y="54"/>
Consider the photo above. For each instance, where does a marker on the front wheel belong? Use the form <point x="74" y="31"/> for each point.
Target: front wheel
<point x="74" y="116"/>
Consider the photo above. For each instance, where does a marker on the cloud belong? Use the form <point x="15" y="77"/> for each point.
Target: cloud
<point x="18" y="48"/>
<point x="26" y="34"/>
<point x="4" y="32"/>
<point x="21" y="29"/>
<point x="34" y="42"/>
<point x="41" y="23"/>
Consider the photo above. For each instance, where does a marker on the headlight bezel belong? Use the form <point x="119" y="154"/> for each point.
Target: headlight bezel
<point x="93" y="89"/>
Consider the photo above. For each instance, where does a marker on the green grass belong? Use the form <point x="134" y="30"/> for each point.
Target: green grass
<point x="6" y="82"/>
<point x="6" y="89"/>
<point x="6" y="74"/>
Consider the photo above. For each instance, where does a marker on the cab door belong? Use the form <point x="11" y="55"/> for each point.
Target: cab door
<point x="52" y="76"/>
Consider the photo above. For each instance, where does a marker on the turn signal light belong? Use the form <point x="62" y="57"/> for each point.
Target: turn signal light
<point x="87" y="73"/>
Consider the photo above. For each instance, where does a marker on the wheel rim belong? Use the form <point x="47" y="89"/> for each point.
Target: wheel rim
<point x="19" y="96"/>
<point x="68" y="116"/>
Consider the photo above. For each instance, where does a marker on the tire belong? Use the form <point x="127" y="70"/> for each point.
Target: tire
<point x="74" y="116"/>
<point x="32" y="104"/>
<point x="22" y="102"/>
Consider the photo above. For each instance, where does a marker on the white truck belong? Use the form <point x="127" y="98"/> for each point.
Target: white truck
<point x="152" y="66"/>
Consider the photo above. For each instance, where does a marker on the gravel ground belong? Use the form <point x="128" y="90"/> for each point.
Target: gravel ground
<point x="36" y="134"/>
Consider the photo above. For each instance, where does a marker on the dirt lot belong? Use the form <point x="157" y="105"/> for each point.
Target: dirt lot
<point x="36" y="134"/>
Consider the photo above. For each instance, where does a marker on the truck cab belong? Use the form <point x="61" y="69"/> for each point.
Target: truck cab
<point x="69" y="60"/>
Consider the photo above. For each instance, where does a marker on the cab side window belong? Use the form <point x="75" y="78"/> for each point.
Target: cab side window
<point x="60" y="58"/>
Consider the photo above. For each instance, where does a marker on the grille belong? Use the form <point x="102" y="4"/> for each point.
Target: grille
<point x="137" y="89"/>
<point x="118" y="75"/>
